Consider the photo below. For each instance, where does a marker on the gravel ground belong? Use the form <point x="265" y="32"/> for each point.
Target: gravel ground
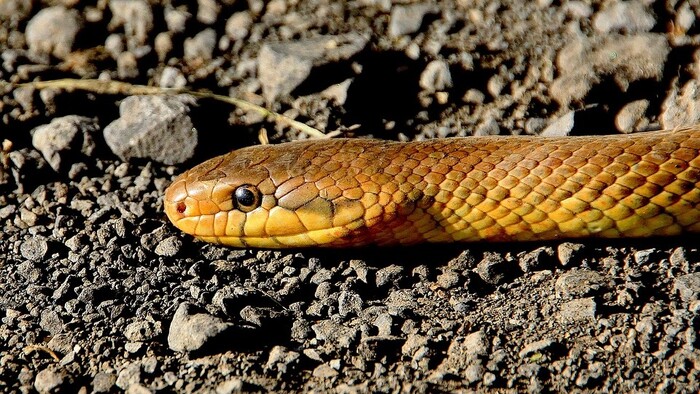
<point x="99" y="293"/>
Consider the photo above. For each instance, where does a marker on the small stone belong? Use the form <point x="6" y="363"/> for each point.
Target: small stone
<point x="114" y="45"/>
<point x="349" y="302"/>
<point x="191" y="331"/>
<point x="52" y="31"/>
<point x="51" y="322"/>
<point x="324" y="371"/>
<point x="64" y="140"/>
<point x="129" y="376"/>
<point x="466" y="351"/>
<point x="208" y="11"/>
<point x="536" y="347"/>
<point x="153" y="127"/>
<point x="488" y="127"/>
<point x="407" y="19"/>
<point x="281" y="359"/>
<point x="51" y="380"/>
<point x="201" y="46"/>
<point x="626" y="17"/>
<point x="681" y="109"/>
<point x="61" y="343"/>
<point x="578" y="310"/>
<point x="585" y="62"/>
<point x="142" y="330"/>
<point x="388" y="275"/>
<point x="492" y="268"/>
<point x="15" y="10"/>
<point x="133" y="347"/>
<point x="448" y="279"/>
<point x="560" y="127"/>
<point x="580" y="283"/>
<point x="103" y="382"/>
<point x="474" y="373"/>
<point x="536" y="259"/>
<point x="238" y="25"/>
<point x="127" y="65"/>
<point x="168" y="247"/>
<point x="569" y="253"/>
<point x="232" y="385"/>
<point x="334" y="333"/>
<point x="474" y="96"/>
<point x="136" y="17"/>
<point x="34" y="248"/>
<point x="688" y="286"/>
<point x="435" y="77"/>
<point x="282" y="67"/>
<point x="631" y="116"/>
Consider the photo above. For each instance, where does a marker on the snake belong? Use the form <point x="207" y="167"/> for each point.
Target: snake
<point x="361" y="192"/>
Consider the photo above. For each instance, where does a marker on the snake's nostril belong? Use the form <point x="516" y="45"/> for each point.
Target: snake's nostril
<point x="181" y="207"/>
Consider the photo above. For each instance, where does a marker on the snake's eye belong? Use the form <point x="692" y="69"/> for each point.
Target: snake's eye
<point x="247" y="198"/>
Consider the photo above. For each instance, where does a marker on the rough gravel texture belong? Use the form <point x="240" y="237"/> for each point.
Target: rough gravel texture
<point x="99" y="293"/>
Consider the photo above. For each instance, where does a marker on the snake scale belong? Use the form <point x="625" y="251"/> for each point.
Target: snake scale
<point x="353" y="192"/>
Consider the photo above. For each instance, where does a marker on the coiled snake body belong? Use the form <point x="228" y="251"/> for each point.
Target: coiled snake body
<point x="348" y="192"/>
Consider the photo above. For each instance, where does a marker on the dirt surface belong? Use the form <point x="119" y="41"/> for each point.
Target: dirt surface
<point x="99" y="293"/>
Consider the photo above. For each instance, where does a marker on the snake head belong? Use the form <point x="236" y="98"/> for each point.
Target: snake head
<point x="273" y="196"/>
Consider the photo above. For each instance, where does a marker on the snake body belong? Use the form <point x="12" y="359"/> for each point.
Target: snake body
<point x="350" y="192"/>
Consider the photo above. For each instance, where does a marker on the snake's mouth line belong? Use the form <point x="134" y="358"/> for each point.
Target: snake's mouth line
<point x="328" y="237"/>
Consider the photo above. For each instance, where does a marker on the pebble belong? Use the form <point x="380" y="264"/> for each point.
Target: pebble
<point x="142" y="330"/>
<point x="688" y="286"/>
<point x="153" y="127"/>
<point x="585" y="61"/>
<point x="492" y="268"/>
<point x="34" y="248"/>
<point x="61" y="343"/>
<point x="136" y="17"/>
<point x="103" y="382"/>
<point x="324" y="371"/>
<point x="238" y="25"/>
<point x="536" y="259"/>
<point x="388" y="275"/>
<point x="129" y="376"/>
<point x="435" y="77"/>
<point x="488" y="127"/>
<point x="561" y="127"/>
<point x="127" y="65"/>
<point x="349" y="302"/>
<point x="681" y="109"/>
<point x="65" y="139"/>
<point x="281" y="359"/>
<point x="407" y="19"/>
<point x="282" y="67"/>
<point x="51" y="379"/>
<point x="168" y="247"/>
<point x="190" y="331"/>
<point x="208" y="11"/>
<point x="338" y="334"/>
<point x="201" y="46"/>
<point x="51" y="322"/>
<point x="474" y="373"/>
<point x="578" y="310"/>
<point x="448" y="279"/>
<point x="631" y="117"/>
<point x="176" y="19"/>
<point x="569" y="253"/>
<point x="579" y="283"/>
<point x="536" y="347"/>
<point x="163" y="45"/>
<point x="15" y="10"/>
<point x="624" y="17"/>
<point x="52" y="31"/>
<point x="232" y="385"/>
